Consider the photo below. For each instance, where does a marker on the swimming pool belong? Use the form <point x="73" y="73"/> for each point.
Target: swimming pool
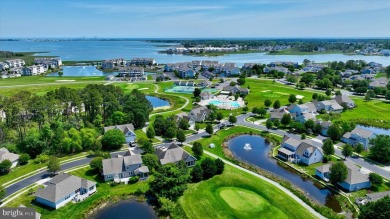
<point x="219" y="103"/>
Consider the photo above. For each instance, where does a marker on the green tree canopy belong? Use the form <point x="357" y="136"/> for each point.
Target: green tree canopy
<point x="181" y="137"/>
<point x="197" y="148"/>
<point x="209" y="129"/>
<point x="328" y="147"/>
<point x="380" y="149"/>
<point x="209" y="168"/>
<point x="276" y="104"/>
<point x="378" y="210"/>
<point x="113" y="139"/>
<point x="54" y="164"/>
<point x="151" y="161"/>
<point x="197" y="173"/>
<point x="347" y="150"/>
<point x="97" y="164"/>
<point x="338" y="172"/>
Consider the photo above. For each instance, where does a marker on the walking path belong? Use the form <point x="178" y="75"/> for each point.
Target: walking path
<point x="288" y="192"/>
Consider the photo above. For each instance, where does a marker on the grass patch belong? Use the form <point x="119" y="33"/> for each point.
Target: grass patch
<point x="105" y="193"/>
<point x="236" y="194"/>
<point x="41" y="79"/>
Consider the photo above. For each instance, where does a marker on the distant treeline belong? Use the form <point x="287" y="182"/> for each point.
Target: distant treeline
<point x="303" y="45"/>
<point x="8" y="54"/>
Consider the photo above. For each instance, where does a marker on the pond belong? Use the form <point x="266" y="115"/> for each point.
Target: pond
<point x="157" y="102"/>
<point x="259" y="156"/>
<point x="129" y="209"/>
<point x="376" y="130"/>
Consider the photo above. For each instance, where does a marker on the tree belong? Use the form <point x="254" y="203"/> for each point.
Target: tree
<point x="245" y="109"/>
<point x="269" y="124"/>
<point x="197" y="127"/>
<point x="150" y="133"/>
<point x="147" y="146"/>
<point x="209" y="168"/>
<point x="276" y="123"/>
<point x="232" y="119"/>
<point x="196" y="173"/>
<point x="113" y="139"/>
<point x="151" y="161"/>
<point x="267" y="103"/>
<point x="276" y="104"/>
<point x="292" y="98"/>
<point x="334" y="132"/>
<point x="286" y="119"/>
<point x="60" y="73"/>
<point x="328" y="92"/>
<point x="197" y="148"/>
<point x="219" y="116"/>
<point x="3" y="192"/>
<point x="359" y="148"/>
<point x="261" y="111"/>
<point x="97" y="164"/>
<point x="118" y="118"/>
<point x="220" y="166"/>
<point x="380" y="149"/>
<point x="54" y="164"/>
<point x="180" y="136"/>
<point x="23" y="159"/>
<point x="375" y="179"/>
<point x="378" y="210"/>
<point x="347" y="150"/>
<point x="387" y="95"/>
<point x="5" y="166"/>
<point x="169" y="182"/>
<point x="328" y="147"/>
<point x="167" y="206"/>
<point x="387" y="71"/>
<point x="209" y="129"/>
<point x="314" y="96"/>
<point x="170" y="132"/>
<point x="309" y="124"/>
<point x="197" y="92"/>
<point x="338" y="172"/>
<point x="303" y="136"/>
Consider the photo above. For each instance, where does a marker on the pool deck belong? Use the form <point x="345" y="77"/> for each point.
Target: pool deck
<point x="225" y="100"/>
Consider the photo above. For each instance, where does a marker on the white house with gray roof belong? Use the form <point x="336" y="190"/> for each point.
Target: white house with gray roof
<point x="305" y="151"/>
<point x="174" y="154"/>
<point x="126" y="129"/>
<point x="124" y="167"/>
<point x="6" y="155"/>
<point x="329" y="106"/>
<point x="64" y="188"/>
<point x="358" y="136"/>
<point x="344" y="99"/>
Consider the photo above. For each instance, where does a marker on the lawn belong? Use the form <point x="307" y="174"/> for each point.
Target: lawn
<point x="261" y="90"/>
<point x="236" y="194"/>
<point x="40" y="79"/>
<point x="104" y="193"/>
<point x="374" y="109"/>
<point x="30" y="167"/>
<point x="219" y="137"/>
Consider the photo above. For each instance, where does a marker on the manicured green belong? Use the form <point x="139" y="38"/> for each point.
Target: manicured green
<point x="41" y="79"/>
<point x="236" y="194"/>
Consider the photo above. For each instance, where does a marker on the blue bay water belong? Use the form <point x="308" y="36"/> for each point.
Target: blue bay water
<point x="99" y="50"/>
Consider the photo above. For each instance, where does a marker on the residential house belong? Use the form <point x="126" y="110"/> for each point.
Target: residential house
<point x="15" y="63"/>
<point x="48" y="62"/>
<point x="302" y="118"/>
<point x="124" y="167"/>
<point x="302" y="108"/>
<point x="141" y="61"/>
<point x="205" y="95"/>
<point x="126" y="129"/>
<point x="304" y="151"/>
<point x="133" y="72"/>
<point x="230" y="69"/>
<point x="208" y="74"/>
<point x="372" y="197"/>
<point x="235" y="90"/>
<point x="203" y="83"/>
<point x="186" y="72"/>
<point x="4" y="66"/>
<point x="33" y="70"/>
<point x="112" y="63"/>
<point x="329" y="106"/>
<point x="206" y="64"/>
<point x="378" y="82"/>
<point x="285" y="64"/>
<point x="308" y="154"/>
<point x="173" y="154"/>
<point x="324" y="127"/>
<point x="313" y="67"/>
<point x="278" y="113"/>
<point x="358" y="136"/>
<point x="64" y="188"/>
<point x="277" y="68"/>
<point x="196" y="64"/>
<point x="345" y="100"/>
<point x="199" y="114"/>
<point x="6" y="155"/>
<point x="356" y="179"/>
<point x="247" y="66"/>
<point x="323" y="172"/>
<point x="185" y="116"/>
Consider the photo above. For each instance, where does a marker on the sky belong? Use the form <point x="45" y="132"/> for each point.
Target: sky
<point x="195" y="18"/>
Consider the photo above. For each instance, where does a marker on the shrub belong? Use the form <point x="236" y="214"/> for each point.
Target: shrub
<point x="42" y="158"/>
<point x="23" y="159"/>
<point x="133" y="179"/>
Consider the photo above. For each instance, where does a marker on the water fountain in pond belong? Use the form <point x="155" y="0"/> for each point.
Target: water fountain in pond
<point x="247" y="146"/>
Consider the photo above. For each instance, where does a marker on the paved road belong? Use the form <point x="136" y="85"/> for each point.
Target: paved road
<point x="44" y="174"/>
<point x="357" y="160"/>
